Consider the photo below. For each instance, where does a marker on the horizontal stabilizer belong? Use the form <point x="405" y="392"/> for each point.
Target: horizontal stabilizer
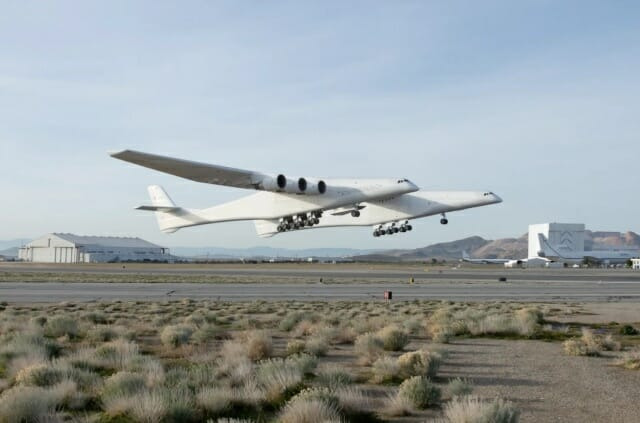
<point x="165" y="209"/>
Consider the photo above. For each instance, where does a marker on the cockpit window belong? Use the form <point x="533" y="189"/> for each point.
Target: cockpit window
<point x="402" y="180"/>
<point x="486" y="194"/>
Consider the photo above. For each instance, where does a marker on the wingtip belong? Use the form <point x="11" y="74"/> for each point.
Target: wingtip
<point x="116" y="153"/>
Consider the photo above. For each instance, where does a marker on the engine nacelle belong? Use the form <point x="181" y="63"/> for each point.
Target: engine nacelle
<point x="277" y="184"/>
<point x="316" y="187"/>
<point x="292" y="186"/>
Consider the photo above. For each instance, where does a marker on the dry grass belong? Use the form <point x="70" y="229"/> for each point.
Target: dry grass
<point x="470" y="409"/>
<point x="590" y="344"/>
<point x="396" y="406"/>
<point x="217" y="361"/>
<point x="420" y="392"/>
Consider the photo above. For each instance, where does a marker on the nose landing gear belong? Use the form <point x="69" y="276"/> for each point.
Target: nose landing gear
<point x="444" y="219"/>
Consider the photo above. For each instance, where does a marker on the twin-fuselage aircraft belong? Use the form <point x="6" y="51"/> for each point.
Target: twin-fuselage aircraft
<point x="284" y="203"/>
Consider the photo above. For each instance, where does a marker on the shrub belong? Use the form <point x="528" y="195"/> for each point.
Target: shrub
<point x="290" y="321"/>
<point x="459" y="387"/>
<point x="420" y="363"/>
<point x="31" y="343"/>
<point x="393" y="338"/>
<point x="304" y="362"/>
<point x="295" y="346"/>
<point x="123" y="383"/>
<point x="308" y="411"/>
<point x="384" y="370"/>
<point x="214" y="400"/>
<point x="148" y="407"/>
<point x="176" y="335"/>
<point x="116" y="355"/>
<point x="62" y="326"/>
<point x="317" y="345"/>
<point x="396" y="406"/>
<point x="368" y="347"/>
<point x="352" y="399"/>
<point x="590" y="344"/>
<point x="259" y="345"/>
<point x="420" y="391"/>
<point x="49" y="374"/>
<point x="277" y="377"/>
<point x="206" y="333"/>
<point x="322" y="394"/>
<point x="471" y="409"/>
<point x="26" y="404"/>
<point x="95" y="317"/>
<point x="443" y="335"/>
<point x="334" y="377"/>
<point x="628" y="330"/>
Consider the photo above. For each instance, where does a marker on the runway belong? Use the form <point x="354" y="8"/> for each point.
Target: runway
<point x="471" y="291"/>
<point x="301" y="282"/>
<point x="337" y="272"/>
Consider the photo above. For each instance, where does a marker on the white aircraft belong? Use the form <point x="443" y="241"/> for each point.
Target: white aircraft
<point x="284" y="203"/>
<point x="467" y="259"/>
<point x="602" y="256"/>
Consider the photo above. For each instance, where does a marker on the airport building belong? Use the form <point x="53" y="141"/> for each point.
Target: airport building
<point x="635" y="263"/>
<point x="566" y="238"/>
<point x="69" y="248"/>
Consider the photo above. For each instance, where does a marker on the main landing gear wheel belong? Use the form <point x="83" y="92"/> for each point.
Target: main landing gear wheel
<point x="444" y="221"/>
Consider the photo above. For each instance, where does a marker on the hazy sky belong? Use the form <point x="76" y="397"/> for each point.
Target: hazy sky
<point x="536" y="101"/>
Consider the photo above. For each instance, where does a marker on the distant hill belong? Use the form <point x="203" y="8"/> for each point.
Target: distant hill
<point x="441" y="251"/>
<point x="10" y="252"/>
<point x="509" y="248"/>
<point x="504" y="248"/>
<point x="11" y="243"/>
<point x="609" y="240"/>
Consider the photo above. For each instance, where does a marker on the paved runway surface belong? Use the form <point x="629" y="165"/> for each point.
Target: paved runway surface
<point x="482" y="284"/>
<point x="473" y="291"/>
<point x="346" y="271"/>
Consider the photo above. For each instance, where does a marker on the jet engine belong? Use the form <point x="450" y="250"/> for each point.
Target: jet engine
<point x="313" y="187"/>
<point x="293" y="186"/>
<point x="277" y="184"/>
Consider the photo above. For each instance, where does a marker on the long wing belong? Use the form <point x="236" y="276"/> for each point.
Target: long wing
<point x="195" y="171"/>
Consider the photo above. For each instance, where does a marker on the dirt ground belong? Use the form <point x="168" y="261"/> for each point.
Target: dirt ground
<point x="546" y="384"/>
<point x="621" y="312"/>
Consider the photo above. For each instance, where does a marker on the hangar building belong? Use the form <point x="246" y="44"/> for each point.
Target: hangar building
<point x="69" y="248"/>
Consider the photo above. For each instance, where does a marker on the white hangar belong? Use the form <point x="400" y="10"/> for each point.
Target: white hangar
<point x="70" y="248"/>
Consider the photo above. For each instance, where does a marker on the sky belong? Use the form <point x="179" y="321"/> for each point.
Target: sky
<point x="534" y="100"/>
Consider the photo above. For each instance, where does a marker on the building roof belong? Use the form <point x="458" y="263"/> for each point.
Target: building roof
<point x="107" y="241"/>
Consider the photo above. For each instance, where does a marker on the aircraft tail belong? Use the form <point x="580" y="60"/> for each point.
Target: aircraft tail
<point x="167" y="213"/>
<point x="547" y="250"/>
<point x="465" y="255"/>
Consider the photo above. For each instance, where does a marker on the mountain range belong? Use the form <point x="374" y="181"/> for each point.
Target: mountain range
<point x="475" y="246"/>
<point x="507" y="248"/>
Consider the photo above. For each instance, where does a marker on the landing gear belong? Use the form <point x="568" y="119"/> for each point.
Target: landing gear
<point x="299" y="221"/>
<point x="444" y="219"/>
<point x="391" y="228"/>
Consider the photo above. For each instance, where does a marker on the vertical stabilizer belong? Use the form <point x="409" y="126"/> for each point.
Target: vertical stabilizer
<point x="160" y="199"/>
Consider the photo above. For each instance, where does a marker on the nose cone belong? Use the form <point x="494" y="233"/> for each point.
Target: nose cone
<point x="496" y="198"/>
